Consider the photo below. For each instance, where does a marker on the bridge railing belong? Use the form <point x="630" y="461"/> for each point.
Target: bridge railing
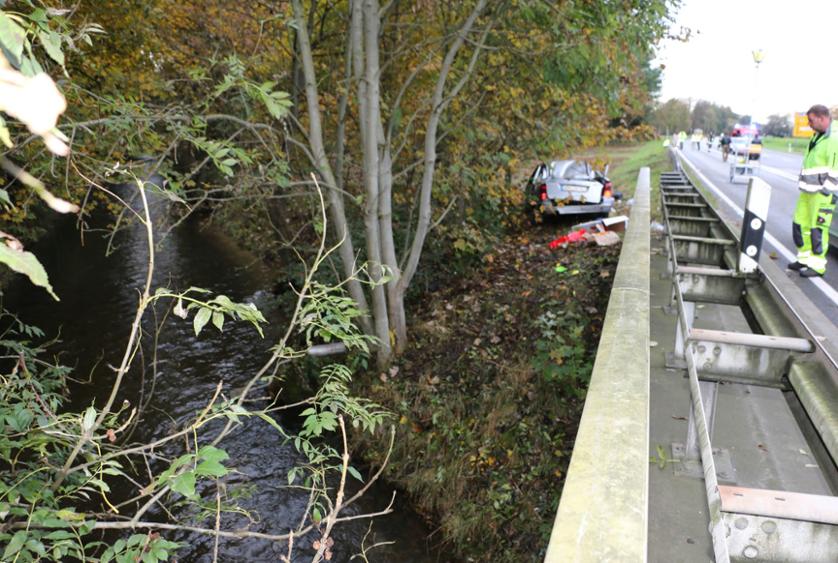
<point x="602" y="513"/>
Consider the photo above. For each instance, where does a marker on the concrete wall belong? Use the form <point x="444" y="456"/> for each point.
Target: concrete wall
<point x="602" y="514"/>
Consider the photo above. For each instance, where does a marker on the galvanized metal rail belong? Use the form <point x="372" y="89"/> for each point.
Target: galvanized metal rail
<point x="709" y="263"/>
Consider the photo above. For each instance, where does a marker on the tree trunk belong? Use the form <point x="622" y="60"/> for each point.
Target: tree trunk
<point x="371" y="125"/>
<point x="336" y="207"/>
<point x="395" y="302"/>
<point x="438" y="104"/>
<point x="340" y="144"/>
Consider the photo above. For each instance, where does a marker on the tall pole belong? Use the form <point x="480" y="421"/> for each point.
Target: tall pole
<point x="758" y="56"/>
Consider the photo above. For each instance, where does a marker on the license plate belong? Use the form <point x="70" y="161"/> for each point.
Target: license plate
<point x="575" y="188"/>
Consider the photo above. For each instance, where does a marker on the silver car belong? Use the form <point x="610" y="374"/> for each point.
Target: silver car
<point x="568" y="187"/>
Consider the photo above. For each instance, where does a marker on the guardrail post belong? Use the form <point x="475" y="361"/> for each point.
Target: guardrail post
<point x="680" y="337"/>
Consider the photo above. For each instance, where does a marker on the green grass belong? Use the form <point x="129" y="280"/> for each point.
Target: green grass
<point x="626" y="162"/>
<point x="782" y="144"/>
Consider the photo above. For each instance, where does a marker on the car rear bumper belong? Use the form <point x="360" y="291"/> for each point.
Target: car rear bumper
<point x="550" y="209"/>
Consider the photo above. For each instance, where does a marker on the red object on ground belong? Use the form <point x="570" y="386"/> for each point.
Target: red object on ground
<point x="574" y="236"/>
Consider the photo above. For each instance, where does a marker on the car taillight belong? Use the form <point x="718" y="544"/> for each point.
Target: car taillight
<point x="542" y="192"/>
<point x="606" y="190"/>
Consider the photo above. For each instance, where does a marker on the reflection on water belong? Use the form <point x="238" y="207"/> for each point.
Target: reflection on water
<point x="98" y="297"/>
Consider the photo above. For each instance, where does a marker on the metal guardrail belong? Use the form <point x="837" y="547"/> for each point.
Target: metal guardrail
<point x="603" y="511"/>
<point x="602" y="514"/>
<point x="803" y="527"/>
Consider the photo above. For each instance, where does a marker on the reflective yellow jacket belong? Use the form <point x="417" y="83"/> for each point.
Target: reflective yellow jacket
<point x="820" y="165"/>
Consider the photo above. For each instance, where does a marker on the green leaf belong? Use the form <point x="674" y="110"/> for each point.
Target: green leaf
<point x="201" y="319"/>
<point x="88" y="419"/>
<point x="211" y="469"/>
<point x="51" y="42"/>
<point x="36" y="546"/>
<point x="354" y="472"/>
<point x="179" y="462"/>
<point x="29" y="66"/>
<point x="185" y="484"/>
<point x="218" y="320"/>
<point x="12" y="37"/>
<point x="101" y="485"/>
<point x="40" y="16"/>
<point x="15" y="544"/>
<point x="211" y="453"/>
<point x="26" y="263"/>
<point x="60" y="535"/>
<point x="270" y="421"/>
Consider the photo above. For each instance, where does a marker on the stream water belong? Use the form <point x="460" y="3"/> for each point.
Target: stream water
<point x="99" y="294"/>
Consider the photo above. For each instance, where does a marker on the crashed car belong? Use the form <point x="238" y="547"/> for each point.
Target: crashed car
<point x="568" y="187"/>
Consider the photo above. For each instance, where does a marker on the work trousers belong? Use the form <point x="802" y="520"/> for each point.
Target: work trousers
<point x="810" y="229"/>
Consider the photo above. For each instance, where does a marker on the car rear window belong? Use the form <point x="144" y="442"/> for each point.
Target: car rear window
<point x="576" y="170"/>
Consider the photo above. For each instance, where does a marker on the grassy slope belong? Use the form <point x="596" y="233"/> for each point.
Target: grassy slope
<point x="489" y="395"/>
<point x="626" y="162"/>
<point x="782" y="144"/>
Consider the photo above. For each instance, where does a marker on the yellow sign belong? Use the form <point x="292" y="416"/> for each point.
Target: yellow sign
<point x="801" y="126"/>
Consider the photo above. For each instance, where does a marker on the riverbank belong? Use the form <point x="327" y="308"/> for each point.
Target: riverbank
<point x="489" y="394"/>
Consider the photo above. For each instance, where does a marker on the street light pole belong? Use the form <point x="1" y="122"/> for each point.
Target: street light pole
<point x="758" y="56"/>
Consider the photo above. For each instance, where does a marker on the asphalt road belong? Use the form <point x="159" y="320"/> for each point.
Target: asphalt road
<point x="780" y="171"/>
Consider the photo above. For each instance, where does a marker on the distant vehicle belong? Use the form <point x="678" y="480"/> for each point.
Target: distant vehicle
<point x="568" y="187"/>
<point x="745" y="139"/>
<point x="745" y="144"/>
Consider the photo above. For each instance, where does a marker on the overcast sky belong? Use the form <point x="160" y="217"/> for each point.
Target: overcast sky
<point x="800" y="67"/>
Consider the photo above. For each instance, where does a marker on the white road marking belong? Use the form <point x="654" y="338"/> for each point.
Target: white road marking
<point x="819" y="283"/>
<point x="781" y="173"/>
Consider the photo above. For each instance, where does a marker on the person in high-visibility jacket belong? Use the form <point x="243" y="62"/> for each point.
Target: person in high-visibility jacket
<point x="818" y="185"/>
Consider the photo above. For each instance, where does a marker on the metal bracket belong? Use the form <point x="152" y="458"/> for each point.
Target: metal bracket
<point x="750" y="356"/>
<point x="693" y="469"/>
<point x="756" y="538"/>
<point x="780" y="504"/>
<point x="708" y="286"/>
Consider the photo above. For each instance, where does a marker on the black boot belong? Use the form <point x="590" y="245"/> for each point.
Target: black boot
<point x="810" y="273"/>
<point x="796" y="266"/>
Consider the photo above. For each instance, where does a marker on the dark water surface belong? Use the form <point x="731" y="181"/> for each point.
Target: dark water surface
<point x="99" y="295"/>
